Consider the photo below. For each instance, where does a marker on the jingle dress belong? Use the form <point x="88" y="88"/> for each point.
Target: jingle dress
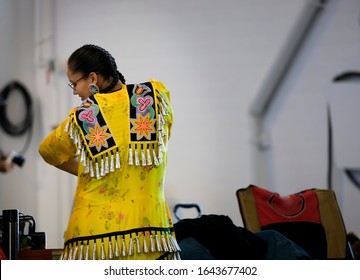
<point x="120" y="140"/>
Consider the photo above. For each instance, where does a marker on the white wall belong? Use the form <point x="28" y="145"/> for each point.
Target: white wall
<point x="213" y="56"/>
<point x="296" y="122"/>
<point x="6" y="30"/>
<point x="18" y="189"/>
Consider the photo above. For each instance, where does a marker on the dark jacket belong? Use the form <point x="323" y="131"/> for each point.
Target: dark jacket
<point x="222" y="238"/>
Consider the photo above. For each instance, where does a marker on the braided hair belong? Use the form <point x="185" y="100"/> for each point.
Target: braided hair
<point x="91" y="58"/>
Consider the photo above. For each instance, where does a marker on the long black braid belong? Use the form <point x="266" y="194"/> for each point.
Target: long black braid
<point x="91" y="58"/>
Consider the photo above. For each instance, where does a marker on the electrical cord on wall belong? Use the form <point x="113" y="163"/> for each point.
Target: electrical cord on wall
<point x="26" y="124"/>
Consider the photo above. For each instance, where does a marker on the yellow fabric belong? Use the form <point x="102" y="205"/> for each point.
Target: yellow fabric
<point x="127" y="200"/>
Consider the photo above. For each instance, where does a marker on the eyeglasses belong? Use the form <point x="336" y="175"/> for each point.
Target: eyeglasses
<point x="73" y="84"/>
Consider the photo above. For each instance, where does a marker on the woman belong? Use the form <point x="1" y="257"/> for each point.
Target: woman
<point x="115" y="142"/>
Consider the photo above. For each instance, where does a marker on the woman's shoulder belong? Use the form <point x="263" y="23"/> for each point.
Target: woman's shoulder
<point x="160" y="87"/>
<point x="156" y="83"/>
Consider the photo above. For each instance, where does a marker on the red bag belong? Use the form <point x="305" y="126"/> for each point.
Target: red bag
<point x="2" y="255"/>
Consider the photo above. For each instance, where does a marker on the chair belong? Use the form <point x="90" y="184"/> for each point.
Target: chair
<point x="310" y="218"/>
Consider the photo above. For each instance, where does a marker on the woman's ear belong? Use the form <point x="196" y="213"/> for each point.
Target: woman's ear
<point x="93" y="77"/>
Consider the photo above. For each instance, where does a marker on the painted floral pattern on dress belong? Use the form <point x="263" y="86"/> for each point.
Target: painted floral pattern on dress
<point x="146" y="222"/>
<point x="142" y="176"/>
<point x="107" y="215"/>
<point x="76" y="231"/>
<point x="120" y="217"/>
<point x="110" y="191"/>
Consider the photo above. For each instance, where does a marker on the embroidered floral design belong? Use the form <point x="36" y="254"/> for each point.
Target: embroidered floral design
<point x="143" y="117"/>
<point x="98" y="137"/>
<point x="142" y="102"/>
<point x="148" y="135"/>
<point x="88" y="114"/>
<point x="143" y="126"/>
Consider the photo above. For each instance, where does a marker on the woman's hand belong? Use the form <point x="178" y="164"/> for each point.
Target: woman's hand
<point x="5" y="166"/>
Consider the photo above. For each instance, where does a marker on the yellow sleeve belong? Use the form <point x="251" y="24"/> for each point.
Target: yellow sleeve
<point x="161" y="89"/>
<point x="58" y="147"/>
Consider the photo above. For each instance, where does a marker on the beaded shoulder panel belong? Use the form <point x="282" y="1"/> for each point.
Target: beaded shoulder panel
<point x="97" y="149"/>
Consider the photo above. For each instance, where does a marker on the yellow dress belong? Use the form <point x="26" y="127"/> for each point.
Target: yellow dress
<point x="120" y="140"/>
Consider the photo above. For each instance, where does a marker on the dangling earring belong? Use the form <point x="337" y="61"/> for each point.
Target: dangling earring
<point x="93" y="88"/>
